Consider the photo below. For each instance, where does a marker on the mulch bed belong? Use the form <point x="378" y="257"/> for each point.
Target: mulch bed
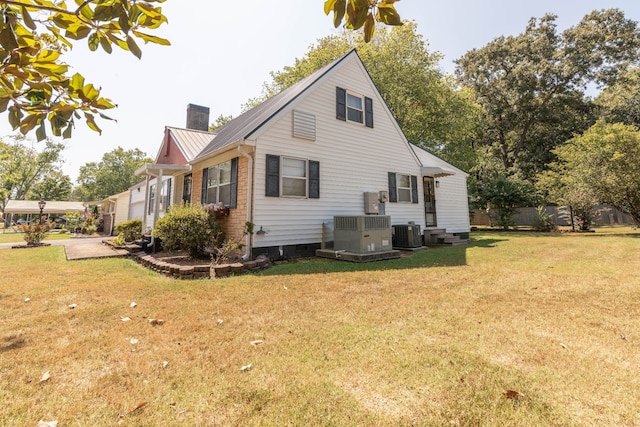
<point x="37" y="245"/>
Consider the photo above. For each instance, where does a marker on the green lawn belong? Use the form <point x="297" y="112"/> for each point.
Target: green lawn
<point x="11" y="237"/>
<point x="517" y="328"/>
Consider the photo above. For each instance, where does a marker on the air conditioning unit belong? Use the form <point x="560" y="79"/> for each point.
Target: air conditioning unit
<point x="407" y="236"/>
<point x="362" y="233"/>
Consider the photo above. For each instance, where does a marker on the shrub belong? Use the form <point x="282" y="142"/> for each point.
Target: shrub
<point x="130" y="230"/>
<point x="34" y="232"/>
<point x="73" y="220"/>
<point x="119" y="240"/>
<point x="543" y="221"/>
<point x="188" y="227"/>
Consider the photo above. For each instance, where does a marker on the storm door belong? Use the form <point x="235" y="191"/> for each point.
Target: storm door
<point x="429" y="201"/>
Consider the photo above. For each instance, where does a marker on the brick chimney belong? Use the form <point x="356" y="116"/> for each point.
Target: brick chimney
<point x="197" y="117"/>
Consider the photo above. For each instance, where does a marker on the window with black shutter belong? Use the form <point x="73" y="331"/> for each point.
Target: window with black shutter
<point x="403" y="188"/>
<point x="292" y="177"/>
<point x="353" y="107"/>
<point x="220" y="183"/>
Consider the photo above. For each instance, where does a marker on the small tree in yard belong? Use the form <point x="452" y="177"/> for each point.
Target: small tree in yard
<point x="600" y="166"/>
<point x="501" y="195"/>
<point x="188" y="227"/>
<point x="35" y="231"/>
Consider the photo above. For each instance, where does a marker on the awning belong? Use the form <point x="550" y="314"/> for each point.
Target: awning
<point x="52" y="207"/>
<point x="435" y="171"/>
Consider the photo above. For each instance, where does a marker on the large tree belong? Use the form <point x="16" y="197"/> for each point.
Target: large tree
<point x="112" y="175"/>
<point x="532" y="86"/>
<point x="603" y="163"/>
<point x="23" y="167"/>
<point x="430" y="110"/>
<point x="620" y="102"/>
<point x="35" y="87"/>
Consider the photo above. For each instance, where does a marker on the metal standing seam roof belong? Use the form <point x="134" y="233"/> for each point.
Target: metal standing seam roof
<point x="190" y="141"/>
<point x="245" y="125"/>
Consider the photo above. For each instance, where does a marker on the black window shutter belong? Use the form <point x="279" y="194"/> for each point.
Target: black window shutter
<point x="272" y="184"/>
<point x="205" y="178"/>
<point x="414" y="189"/>
<point x="393" y="192"/>
<point x="341" y="104"/>
<point x="233" y="202"/>
<point x="314" y="179"/>
<point x="368" y="112"/>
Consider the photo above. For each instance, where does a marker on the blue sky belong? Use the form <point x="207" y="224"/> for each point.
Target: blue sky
<point x="222" y="53"/>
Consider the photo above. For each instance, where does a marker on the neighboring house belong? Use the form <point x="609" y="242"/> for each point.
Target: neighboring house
<point x="305" y="155"/>
<point x="136" y="200"/>
<point x="115" y="209"/>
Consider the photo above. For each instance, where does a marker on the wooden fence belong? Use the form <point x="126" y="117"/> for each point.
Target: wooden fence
<point x="607" y="215"/>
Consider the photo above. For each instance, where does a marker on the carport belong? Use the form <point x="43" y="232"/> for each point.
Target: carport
<point x="31" y="208"/>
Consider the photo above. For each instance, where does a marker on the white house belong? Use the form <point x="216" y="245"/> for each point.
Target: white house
<point x="306" y="155"/>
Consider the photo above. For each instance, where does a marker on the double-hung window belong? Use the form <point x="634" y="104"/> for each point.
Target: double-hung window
<point x="291" y="177"/>
<point x="219" y="184"/>
<point x="294" y="177"/>
<point x="354" y="108"/>
<point x="355" y="111"/>
<point x="404" y="187"/>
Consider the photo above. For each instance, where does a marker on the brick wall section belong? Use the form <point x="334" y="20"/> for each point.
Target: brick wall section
<point x="234" y="224"/>
<point x="196" y="187"/>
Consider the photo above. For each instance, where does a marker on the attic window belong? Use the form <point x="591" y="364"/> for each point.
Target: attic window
<point x="353" y="107"/>
<point x="304" y="125"/>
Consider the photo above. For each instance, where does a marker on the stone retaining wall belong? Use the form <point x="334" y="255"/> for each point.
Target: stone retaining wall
<point x="203" y="271"/>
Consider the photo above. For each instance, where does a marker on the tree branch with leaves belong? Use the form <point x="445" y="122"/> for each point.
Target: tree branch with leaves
<point x="35" y="88"/>
<point x="363" y="13"/>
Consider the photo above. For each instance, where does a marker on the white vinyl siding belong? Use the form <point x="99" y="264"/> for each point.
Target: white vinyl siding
<point x="353" y="159"/>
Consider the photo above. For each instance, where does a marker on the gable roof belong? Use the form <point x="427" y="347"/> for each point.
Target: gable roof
<point x="243" y="126"/>
<point x="190" y="142"/>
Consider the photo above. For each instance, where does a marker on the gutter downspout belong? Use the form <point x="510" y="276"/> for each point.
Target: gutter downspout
<point x="249" y="218"/>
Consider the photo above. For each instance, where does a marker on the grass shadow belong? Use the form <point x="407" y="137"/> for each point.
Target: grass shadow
<point x="430" y="257"/>
<point x="12" y="342"/>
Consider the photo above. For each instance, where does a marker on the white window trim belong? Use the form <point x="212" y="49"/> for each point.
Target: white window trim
<point x="219" y="184"/>
<point x="362" y="111"/>
<point x="306" y="177"/>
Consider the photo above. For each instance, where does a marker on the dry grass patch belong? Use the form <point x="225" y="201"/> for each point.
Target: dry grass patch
<point x="431" y="339"/>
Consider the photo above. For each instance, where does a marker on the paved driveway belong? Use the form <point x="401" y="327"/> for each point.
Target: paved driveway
<point x="81" y="248"/>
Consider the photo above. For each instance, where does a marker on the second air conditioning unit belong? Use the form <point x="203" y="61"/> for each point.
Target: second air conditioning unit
<point x="407" y="236"/>
<point x="362" y="233"/>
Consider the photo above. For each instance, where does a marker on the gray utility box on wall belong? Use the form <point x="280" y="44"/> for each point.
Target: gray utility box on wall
<point x="362" y="233"/>
<point x="371" y="203"/>
<point x="407" y="236"/>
